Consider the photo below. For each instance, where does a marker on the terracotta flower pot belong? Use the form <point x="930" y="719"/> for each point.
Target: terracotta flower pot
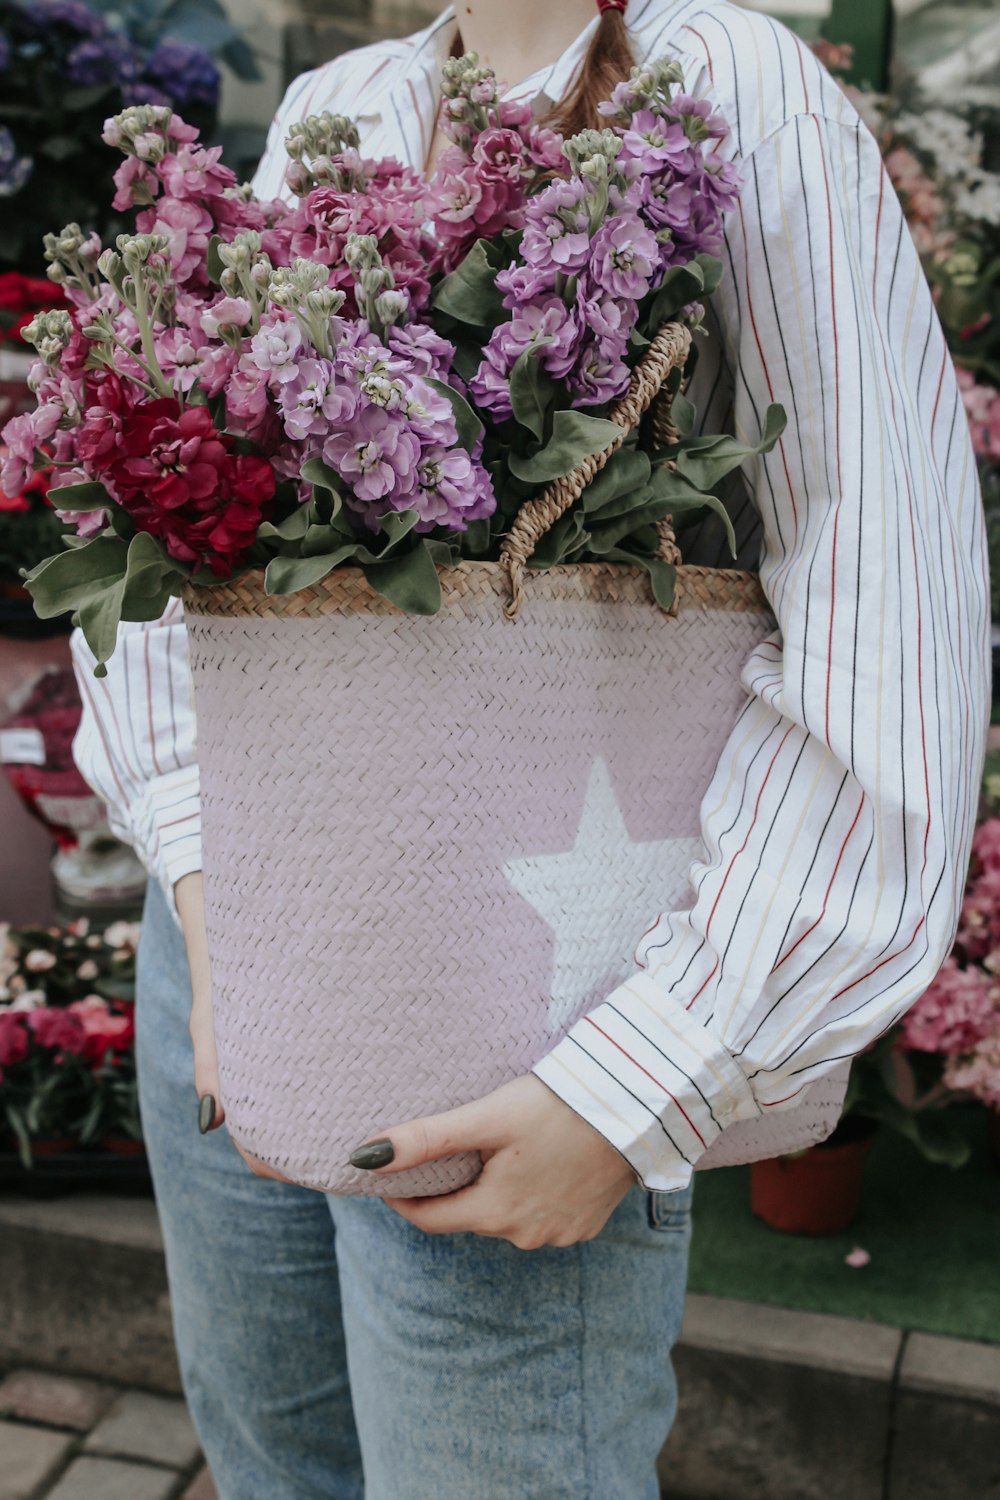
<point x="122" y="1145"/>
<point x="816" y="1192"/>
<point x="53" y="1145"/>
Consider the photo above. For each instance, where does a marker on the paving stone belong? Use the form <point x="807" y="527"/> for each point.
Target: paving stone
<point x="108" y="1479"/>
<point x="156" y="1428"/>
<point x="28" y="1456"/>
<point x="203" y="1488"/>
<point x="776" y="1404"/>
<point x="34" y="1396"/>
<point x="947" y="1421"/>
<point x="951" y="1367"/>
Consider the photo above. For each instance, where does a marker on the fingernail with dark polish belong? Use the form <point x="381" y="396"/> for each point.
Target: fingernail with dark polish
<point x="373" y="1154"/>
<point x="206" y="1113"/>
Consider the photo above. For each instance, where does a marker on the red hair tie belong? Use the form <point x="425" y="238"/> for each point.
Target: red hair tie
<point x="619" y="5"/>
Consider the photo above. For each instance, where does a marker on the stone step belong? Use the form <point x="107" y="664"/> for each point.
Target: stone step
<point x="775" y="1404"/>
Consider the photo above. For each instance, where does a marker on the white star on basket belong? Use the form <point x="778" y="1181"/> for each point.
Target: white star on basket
<point x="599" y="896"/>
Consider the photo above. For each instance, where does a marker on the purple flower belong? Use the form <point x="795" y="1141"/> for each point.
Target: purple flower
<point x="378" y="457"/>
<point x="185" y="74"/>
<point x="314" y="400"/>
<point x="72" y="14"/>
<point x="601" y="375"/>
<point x="451" y="490"/>
<point x="698" y="117"/>
<point x="423" y="350"/>
<point x="490" y="386"/>
<point x="557" y="232"/>
<point x="521" y="284"/>
<point x="655" y="142"/>
<point x="274" y="350"/>
<point x="624" y="256"/>
<point x="101" y="60"/>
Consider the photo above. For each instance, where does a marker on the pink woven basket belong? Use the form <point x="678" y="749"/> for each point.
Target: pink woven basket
<point x="431" y="844"/>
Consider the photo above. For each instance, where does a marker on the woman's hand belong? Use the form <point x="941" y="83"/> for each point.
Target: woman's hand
<point x="548" y="1177"/>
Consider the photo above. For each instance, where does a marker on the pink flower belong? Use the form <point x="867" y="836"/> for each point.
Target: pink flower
<point x="188" y="227"/>
<point x="57" y="1029"/>
<point x="104" y="1030"/>
<point x="955" y="1013"/>
<point x="39" y="960"/>
<point x="227" y="313"/>
<point x="195" y="172"/>
<point x="978" y="1072"/>
<point x="13" y="1039"/>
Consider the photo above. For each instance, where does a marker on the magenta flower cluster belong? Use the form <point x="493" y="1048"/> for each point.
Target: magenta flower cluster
<point x="307" y="357"/>
<point x="958" y="1017"/>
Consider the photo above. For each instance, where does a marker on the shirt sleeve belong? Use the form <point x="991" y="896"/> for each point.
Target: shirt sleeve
<point x="837" y="826"/>
<point x="137" y="743"/>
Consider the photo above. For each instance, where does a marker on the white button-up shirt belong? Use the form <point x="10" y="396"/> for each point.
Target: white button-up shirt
<point x="837" y="825"/>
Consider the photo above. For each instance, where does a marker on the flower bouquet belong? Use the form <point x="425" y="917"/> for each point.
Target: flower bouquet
<point x="67" y="1063"/>
<point x="328" y="421"/>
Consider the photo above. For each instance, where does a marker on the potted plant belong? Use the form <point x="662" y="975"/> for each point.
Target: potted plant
<point x="946" y="1049"/>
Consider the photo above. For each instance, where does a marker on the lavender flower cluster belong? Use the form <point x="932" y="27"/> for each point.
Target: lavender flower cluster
<point x="644" y="195"/>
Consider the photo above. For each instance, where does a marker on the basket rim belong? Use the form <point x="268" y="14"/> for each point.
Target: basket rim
<point x="472" y="582"/>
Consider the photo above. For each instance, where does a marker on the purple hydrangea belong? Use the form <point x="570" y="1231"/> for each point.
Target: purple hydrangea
<point x="101" y="60"/>
<point x="73" y="14"/>
<point x="186" y="75"/>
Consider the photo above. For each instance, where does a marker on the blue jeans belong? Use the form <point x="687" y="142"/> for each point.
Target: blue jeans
<point x="331" y="1351"/>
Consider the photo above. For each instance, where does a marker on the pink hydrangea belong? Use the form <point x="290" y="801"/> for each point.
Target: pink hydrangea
<point x="955" y="1013"/>
<point x="978" y="1072"/>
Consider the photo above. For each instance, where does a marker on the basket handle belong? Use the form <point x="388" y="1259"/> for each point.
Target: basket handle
<point x="669" y="350"/>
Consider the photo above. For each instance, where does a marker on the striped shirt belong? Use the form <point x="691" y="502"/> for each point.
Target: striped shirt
<point x="836" y="828"/>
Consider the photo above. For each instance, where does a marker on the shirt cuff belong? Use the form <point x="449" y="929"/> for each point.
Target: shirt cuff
<point x="172" y="815"/>
<point x="656" y="1084"/>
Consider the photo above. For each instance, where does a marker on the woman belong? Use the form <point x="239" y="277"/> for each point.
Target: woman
<point x="414" y="1351"/>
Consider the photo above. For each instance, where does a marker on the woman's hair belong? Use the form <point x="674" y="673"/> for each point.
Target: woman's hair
<point x="609" y="59"/>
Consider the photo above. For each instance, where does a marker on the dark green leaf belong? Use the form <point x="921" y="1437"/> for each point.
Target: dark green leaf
<point x="532" y="392"/>
<point x="469" y="294"/>
<point x="213" y="261"/>
<point x="624" y="477"/>
<point x="68" y="580"/>
<point x="92" y="496"/>
<point x="409" y="581"/>
<point x="292" y="529"/>
<point x="706" y="461"/>
<point x="575" y="436"/>
<point x="286" y="575"/>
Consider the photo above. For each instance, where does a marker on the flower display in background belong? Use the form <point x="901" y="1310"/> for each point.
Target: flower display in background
<point x="64" y="67"/>
<point x="957" y="1020"/>
<point x="67" y="1033"/>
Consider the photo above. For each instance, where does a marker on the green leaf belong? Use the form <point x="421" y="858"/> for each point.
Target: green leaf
<point x="139" y="592"/>
<point x="469" y="294"/>
<point x="394" y="525"/>
<point x="321" y="476"/>
<point x="292" y="529"/>
<point x="575" y="436"/>
<point x="286" y="575"/>
<point x="213" y="260"/>
<point x="532" y="392"/>
<point x="683" y="413"/>
<point x="560" y="540"/>
<point x="409" y="581"/>
<point x="68" y="580"/>
<point x="467" y="423"/>
<point x="619" y="485"/>
<point x="706" y="461"/>
<point x="681" y="285"/>
<point x="92" y="496"/>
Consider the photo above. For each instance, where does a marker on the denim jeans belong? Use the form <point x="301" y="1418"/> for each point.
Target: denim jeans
<point x="331" y="1351"/>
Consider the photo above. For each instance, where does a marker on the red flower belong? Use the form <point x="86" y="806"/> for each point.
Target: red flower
<point x="178" y="478"/>
<point x="104" y="1030"/>
<point x="13" y="1038"/>
<point x="56" y="1029"/>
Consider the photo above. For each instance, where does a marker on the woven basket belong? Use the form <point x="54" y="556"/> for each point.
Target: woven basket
<point x="431" y="843"/>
